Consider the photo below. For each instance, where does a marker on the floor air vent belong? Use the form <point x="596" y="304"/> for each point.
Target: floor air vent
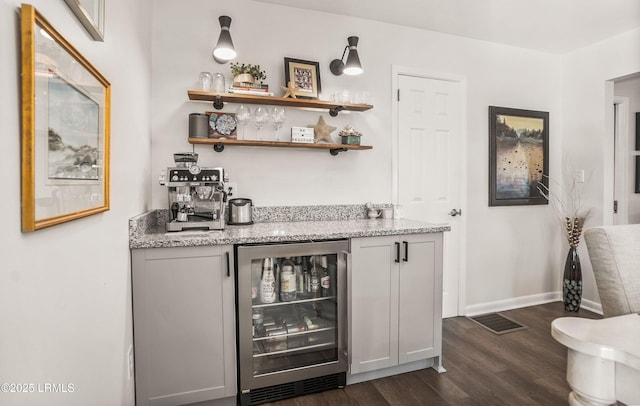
<point x="497" y="323"/>
<point x="291" y="389"/>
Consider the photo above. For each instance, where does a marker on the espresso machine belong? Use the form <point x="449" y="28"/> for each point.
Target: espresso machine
<point x="197" y="196"/>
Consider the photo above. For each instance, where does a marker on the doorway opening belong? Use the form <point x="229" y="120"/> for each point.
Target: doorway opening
<point x="624" y="200"/>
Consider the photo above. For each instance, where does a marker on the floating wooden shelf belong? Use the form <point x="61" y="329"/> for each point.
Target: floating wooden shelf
<point x="219" y="144"/>
<point x="218" y="100"/>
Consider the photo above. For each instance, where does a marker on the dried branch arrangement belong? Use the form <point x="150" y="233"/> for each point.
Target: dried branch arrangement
<point x="568" y="207"/>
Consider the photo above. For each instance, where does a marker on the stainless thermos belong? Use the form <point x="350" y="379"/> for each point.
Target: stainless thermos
<point x="198" y="125"/>
<point x="240" y="212"/>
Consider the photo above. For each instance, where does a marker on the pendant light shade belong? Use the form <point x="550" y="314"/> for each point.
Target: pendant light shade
<point x="352" y="65"/>
<point x="224" y="50"/>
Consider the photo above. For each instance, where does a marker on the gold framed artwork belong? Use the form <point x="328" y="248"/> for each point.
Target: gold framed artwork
<point x="65" y="128"/>
<point x="305" y="75"/>
<point x="90" y="13"/>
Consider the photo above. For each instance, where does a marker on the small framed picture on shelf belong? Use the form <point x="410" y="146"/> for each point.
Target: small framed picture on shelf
<point x="222" y="125"/>
<point x="305" y="75"/>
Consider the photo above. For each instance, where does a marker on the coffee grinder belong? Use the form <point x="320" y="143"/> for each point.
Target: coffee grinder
<point x="197" y="196"/>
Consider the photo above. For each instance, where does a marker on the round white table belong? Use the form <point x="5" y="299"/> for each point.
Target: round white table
<point x="603" y="362"/>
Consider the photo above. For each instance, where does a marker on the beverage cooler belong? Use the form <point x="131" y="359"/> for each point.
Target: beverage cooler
<point x="291" y="319"/>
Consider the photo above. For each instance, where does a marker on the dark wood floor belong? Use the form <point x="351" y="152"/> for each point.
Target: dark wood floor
<point x="525" y="367"/>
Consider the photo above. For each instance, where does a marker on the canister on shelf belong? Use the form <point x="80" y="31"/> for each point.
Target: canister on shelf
<point x="198" y="125"/>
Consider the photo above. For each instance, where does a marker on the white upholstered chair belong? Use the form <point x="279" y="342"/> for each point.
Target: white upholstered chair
<point x="614" y="252"/>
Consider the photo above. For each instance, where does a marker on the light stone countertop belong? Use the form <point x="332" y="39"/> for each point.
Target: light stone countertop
<point x="147" y="232"/>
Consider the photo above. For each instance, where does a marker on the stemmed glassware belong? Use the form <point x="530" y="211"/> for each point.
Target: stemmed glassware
<point x="243" y="116"/>
<point x="260" y="118"/>
<point x="278" y="115"/>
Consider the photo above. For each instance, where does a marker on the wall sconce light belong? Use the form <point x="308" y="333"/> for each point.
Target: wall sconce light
<point x="352" y="66"/>
<point x="224" y="50"/>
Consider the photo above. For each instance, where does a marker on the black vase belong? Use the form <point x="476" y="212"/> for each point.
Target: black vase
<point x="572" y="281"/>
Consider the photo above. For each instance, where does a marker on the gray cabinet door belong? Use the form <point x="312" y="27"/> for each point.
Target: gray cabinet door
<point x="373" y="304"/>
<point x="395" y="300"/>
<point x="184" y="324"/>
<point x="420" y="297"/>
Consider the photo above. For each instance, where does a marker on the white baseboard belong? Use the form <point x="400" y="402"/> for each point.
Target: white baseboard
<point x="525" y="301"/>
<point x="591" y="306"/>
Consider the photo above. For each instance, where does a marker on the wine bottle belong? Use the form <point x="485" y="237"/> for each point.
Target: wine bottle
<point x="297" y="269"/>
<point x="306" y="276"/>
<point x="315" y="278"/>
<point x="325" y="279"/>
<point x="287" y="281"/>
<point x="268" y="282"/>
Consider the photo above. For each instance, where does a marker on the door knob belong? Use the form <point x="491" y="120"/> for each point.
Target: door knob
<point x="455" y="212"/>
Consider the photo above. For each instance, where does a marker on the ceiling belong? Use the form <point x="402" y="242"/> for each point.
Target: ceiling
<point x="556" y="26"/>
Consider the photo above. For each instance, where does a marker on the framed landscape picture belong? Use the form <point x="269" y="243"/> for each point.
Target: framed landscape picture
<point x="518" y="156"/>
<point x="305" y="75"/>
<point x="65" y="128"/>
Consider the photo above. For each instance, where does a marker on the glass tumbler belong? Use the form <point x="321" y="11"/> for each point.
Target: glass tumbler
<point x="218" y="83"/>
<point x="205" y="81"/>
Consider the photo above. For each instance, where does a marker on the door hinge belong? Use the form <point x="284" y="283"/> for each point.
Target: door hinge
<point x="615" y="207"/>
<point x="398" y="94"/>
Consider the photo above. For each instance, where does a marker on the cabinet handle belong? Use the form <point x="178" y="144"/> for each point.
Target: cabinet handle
<point x="397" y="252"/>
<point x="406" y="251"/>
<point x="226" y="254"/>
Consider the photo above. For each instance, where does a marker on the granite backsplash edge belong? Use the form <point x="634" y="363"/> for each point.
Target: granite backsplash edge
<point x="154" y="221"/>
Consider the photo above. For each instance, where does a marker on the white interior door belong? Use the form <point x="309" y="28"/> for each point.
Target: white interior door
<point x="429" y="166"/>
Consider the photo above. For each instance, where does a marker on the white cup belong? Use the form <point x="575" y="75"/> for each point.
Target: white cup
<point x="373" y="213"/>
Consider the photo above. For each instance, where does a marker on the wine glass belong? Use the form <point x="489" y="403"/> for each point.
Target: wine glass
<point x="278" y="115"/>
<point x="260" y="118"/>
<point x="243" y="116"/>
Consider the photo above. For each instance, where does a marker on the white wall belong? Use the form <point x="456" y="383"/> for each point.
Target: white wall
<point x="65" y="291"/>
<point x="511" y="251"/>
<point x="587" y="132"/>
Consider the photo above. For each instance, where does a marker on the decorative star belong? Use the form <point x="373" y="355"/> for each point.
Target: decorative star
<point x="290" y="90"/>
<point x="322" y="131"/>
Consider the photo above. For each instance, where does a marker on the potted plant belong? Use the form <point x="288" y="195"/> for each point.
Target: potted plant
<point x="247" y="73"/>
<point x="350" y="135"/>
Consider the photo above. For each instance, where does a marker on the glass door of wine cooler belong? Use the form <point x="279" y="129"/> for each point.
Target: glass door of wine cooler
<point x="291" y="312"/>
